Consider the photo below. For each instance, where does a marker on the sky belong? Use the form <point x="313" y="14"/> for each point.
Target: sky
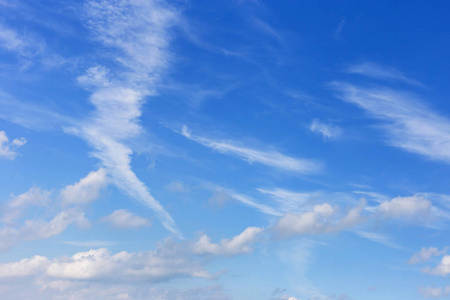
<point x="229" y="149"/>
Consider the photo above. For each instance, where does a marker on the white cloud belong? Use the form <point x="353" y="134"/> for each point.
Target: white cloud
<point x="28" y="48"/>
<point x="168" y="261"/>
<point x="18" y="204"/>
<point x="239" y="244"/>
<point x="139" y="33"/>
<point x="326" y="130"/>
<point x="272" y="159"/>
<point x="321" y="219"/>
<point x="312" y="222"/>
<point x="376" y="71"/>
<point x="39" y="229"/>
<point x="411" y="125"/>
<point x="34" y="196"/>
<point x="86" y="190"/>
<point x="7" y="148"/>
<point x="221" y="195"/>
<point x="442" y="269"/>
<point x="25" y="267"/>
<point x="90" y="244"/>
<point x="425" y="254"/>
<point x="406" y="207"/>
<point x="177" y="187"/>
<point x="124" y="219"/>
<point x="35" y="229"/>
<point x="288" y="201"/>
<point x="437" y="292"/>
<point x="377" y="238"/>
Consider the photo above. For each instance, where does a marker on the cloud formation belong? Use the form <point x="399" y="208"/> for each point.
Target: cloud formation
<point x="86" y="190"/>
<point x="321" y="219"/>
<point x="410" y="124"/>
<point x="379" y="72"/>
<point x="328" y="131"/>
<point x="272" y="159"/>
<point x="7" y="148"/>
<point x="138" y="32"/>
<point x="124" y="219"/>
<point x="239" y="244"/>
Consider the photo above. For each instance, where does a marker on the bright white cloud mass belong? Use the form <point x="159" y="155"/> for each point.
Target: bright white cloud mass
<point x="279" y="150"/>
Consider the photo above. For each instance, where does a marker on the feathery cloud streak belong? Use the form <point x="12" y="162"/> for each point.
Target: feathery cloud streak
<point x="138" y="31"/>
<point x="376" y="71"/>
<point x="411" y="125"/>
<point x="272" y="159"/>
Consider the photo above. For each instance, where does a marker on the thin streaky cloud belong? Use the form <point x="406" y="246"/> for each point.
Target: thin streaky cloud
<point x="272" y="159"/>
<point x="328" y="131"/>
<point x="118" y="97"/>
<point x="377" y="238"/>
<point x="373" y="70"/>
<point x="409" y="123"/>
<point x="244" y="199"/>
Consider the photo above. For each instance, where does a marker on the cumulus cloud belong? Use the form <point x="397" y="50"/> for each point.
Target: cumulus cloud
<point x="321" y="219"/>
<point x="425" y="254"/>
<point x="406" y="207"/>
<point x="442" y="269"/>
<point x="168" y="261"/>
<point x="8" y="148"/>
<point x="16" y="206"/>
<point x="326" y="130"/>
<point x="86" y="190"/>
<point x="239" y="244"/>
<point x="437" y="292"/>
<point x="35" y="229"/>
<point x="124" y="219"/>
<point x="272" y="159"/>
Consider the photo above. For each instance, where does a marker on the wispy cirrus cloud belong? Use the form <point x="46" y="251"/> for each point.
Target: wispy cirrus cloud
<point x="138" y="33"/>
<point x="380" y="72"/>
<point x="269" y="158"/>
<point x="409" y="122"/>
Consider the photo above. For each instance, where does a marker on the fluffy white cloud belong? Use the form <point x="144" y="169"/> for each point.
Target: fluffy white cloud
<point x="437" y="292"/>
<point x="39" y="229"/>
<point x="425" y="254"/>
<point x="407" y="207"/>
<point x="35" y="229"/>
<point x="18" y="204"/>
<point x="122" y="218"/>
<point x="7" y="148"/>
<point x="272" y="159"/>
<point x="442" y="269"/>
<point x="239" y="244"/>
<point x="326" y="130"/>
<point x="34" y="196"/>
<point x="86" y="190"/>
<point x="25" y="267"/>
<point x="168" y="261"/>
<point x="323" y="218"/>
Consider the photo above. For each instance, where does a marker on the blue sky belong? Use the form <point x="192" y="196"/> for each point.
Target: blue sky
<point x="240" y="149"/>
